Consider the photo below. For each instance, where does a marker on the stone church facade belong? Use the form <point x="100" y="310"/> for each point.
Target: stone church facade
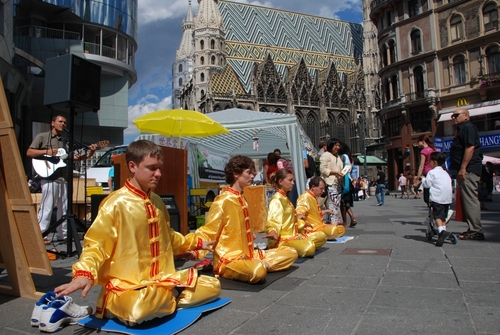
<point x="238" y="55"/>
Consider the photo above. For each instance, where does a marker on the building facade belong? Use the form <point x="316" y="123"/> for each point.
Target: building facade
<point x="272" y="60"/>
<point x="32" y="31"/>
<point x="434" y="56"/>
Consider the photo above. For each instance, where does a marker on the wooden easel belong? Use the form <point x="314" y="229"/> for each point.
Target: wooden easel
<point x="22" y="251"/>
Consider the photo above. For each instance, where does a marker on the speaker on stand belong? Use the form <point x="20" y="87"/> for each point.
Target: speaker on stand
<point x="73" y="83"/>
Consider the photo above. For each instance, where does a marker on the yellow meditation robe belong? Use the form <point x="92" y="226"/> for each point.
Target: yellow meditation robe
<point x="282" y="220"/>
<point x="307" y="205"/>
<point x="228" y="224"/>
<point x="129" y="251"/>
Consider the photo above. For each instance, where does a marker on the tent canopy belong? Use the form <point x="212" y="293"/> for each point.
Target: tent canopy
<point x="273" y="131"/>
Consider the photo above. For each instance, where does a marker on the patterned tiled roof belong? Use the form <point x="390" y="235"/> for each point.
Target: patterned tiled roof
<point x="253" y="32"/>
<point x="226" y="81"/>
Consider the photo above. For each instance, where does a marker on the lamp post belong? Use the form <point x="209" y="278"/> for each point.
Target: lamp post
<point x="361" y="116"/>
<point x="480" y="60"/>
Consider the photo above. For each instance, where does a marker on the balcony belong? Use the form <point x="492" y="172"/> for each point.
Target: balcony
<point x="488" y="82"/>
<point x="377" y="4"/>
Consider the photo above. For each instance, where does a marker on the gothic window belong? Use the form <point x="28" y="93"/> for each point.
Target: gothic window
<point x="344" y="102"/>
<point x="202" y="60"/>
<point x="281" y="94"/>
<point x="279" y="110"/>
<point x="493" y="58"/>
<point x="323" y="129"/>
<point x="304" y="97"/>
<point x="270" y="96"/>
<point x="331" y="131"/>
<point x="202" y="44"/>
<point x="263" y="109"/>
<point x="180" y="81"/>
<point x="340" y="128"/>
<point x="212" y="60"/>
<point x="418" y="75"/>
<point x="295" y="95"/>
<point x="212" y="44"/>
<point x="335" y="99"/>
<point x="456" y="28"/>
<point x="202" y="77"/>
<point x="459" y="69"/>
<point x="202" y="93"/>
<point x="260" y="93"/>
<point x="392" y="51"/>
<point x="314" y="97"/>
<point x="413" y="8"/>
<point x="490" y="16"/>
<point x="310" y="127"/>
<point x="416" y="41"/>
<point x="180" y="67"/>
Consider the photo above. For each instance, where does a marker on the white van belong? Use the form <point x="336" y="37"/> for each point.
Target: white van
<point x="100" y="170"/>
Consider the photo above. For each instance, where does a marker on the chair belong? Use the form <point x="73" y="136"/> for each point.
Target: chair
<point x="197" y="200"/>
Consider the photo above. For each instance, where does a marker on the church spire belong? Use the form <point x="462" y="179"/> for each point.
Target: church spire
<point x="186" y="46"/>
<point x="209" y="14"/>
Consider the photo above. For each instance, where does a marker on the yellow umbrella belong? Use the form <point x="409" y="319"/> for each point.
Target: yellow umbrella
<point x="178" y="123"/>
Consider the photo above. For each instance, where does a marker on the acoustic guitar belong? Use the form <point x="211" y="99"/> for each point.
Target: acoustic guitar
<point x="46" y="165"/>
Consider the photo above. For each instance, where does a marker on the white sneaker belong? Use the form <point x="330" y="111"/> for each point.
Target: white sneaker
<point x="39" y="305"/>
<point x="450" y="214"/>
<point x="61" y="312"/>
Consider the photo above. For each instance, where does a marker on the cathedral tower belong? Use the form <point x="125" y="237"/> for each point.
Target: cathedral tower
<point x="209" y="46"/>
<point x="182" y="68"/>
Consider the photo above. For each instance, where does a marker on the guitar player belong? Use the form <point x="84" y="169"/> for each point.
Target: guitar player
<point x="54" y="186"/>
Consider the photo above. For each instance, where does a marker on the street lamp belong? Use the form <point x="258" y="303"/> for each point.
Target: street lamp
<point x="480" y="60"/>
<point x="361" y="116"/>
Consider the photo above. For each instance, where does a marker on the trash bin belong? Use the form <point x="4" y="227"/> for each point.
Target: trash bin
<point x="372" y="190"/>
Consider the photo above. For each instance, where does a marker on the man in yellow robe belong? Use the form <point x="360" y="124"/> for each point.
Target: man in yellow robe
<point x="228" y="224"/>
<point x="283" y="225"/>
<point x="308" y="206"/>
<point x="129" y="251"/>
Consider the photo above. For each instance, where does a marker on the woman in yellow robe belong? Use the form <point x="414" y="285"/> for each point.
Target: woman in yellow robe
<point x="308" y="206"/>
<point x="228" y="224"/>
<point x="283" y="224"/>
<point x="129" y="251"/>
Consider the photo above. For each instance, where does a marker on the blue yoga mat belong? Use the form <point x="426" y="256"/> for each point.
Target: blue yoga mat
<point x="342" y="239"/>
<point x="170" y="324"/>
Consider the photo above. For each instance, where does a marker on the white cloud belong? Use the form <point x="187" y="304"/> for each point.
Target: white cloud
<point x="144" y="107"/>
<point x="154" y="10"/>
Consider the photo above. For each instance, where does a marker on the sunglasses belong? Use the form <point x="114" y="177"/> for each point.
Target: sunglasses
<point x="455" y="115"/>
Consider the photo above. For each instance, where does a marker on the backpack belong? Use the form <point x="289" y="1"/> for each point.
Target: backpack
<point x="311" y="170"/>
<point x="317" y="163"/>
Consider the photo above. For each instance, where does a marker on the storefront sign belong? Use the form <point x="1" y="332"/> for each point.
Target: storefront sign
<point x="489" y="142"/>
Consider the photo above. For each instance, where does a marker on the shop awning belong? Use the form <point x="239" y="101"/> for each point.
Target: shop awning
<point x="482" y="110"/>
<point x="371" y="160"/>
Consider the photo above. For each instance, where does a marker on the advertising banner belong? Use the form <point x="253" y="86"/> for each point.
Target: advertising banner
<point x="211" y="164"/>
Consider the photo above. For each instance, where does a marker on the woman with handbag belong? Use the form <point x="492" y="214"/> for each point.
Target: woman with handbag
<point x="331" y="166"/>
<point x="346" y="202"/>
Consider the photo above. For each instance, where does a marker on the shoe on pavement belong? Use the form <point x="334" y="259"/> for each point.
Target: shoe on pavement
<point x="39" y="305"/>
<point x="60" y="312"/>
<point x="443" y="235"/>
<point x="450" y="214"/>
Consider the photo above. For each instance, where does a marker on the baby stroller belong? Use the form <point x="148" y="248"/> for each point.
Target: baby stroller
<point x="431" y="230"/>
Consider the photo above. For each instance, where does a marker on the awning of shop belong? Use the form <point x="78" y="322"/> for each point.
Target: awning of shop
<point x="472" y="111"/>
<point x="371" y="160"/>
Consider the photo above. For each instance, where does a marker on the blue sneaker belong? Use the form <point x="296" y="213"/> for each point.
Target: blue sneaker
<point x="39" y="305"/>
<point x="60" y="312"/>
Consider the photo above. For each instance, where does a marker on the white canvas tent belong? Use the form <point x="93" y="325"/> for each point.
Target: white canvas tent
<point x="273" y="130"/>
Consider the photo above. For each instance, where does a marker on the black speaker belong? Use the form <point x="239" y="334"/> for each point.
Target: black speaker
<point x="173" y="211"/>
<point x="72" y="81"/>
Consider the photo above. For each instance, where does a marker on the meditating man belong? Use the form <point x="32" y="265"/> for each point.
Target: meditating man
<point x="129" y="250"/>
<point x="308" y="206"/>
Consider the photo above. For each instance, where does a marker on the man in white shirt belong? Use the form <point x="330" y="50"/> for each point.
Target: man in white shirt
<point x="402" y="186"/>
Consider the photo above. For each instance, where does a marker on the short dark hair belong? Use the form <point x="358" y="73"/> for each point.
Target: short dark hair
<point x="438" y="157"/>
<point x="379" y="167"/>
<point x="277" y="150"/>
<point x="138" y="150"/>
<point x="315" y="181"/>
<point x="237" y="164"/>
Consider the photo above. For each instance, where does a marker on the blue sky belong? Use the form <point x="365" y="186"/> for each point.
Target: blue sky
<point x="160" y="32"/>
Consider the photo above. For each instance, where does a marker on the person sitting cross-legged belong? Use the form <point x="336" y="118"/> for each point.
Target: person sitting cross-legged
<point x="307" y="205"/>
<point x="228" y="223"/>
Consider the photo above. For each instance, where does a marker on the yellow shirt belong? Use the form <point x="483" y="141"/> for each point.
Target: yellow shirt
<point x="308" y="206"/>
<point x="282" y="219"/>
